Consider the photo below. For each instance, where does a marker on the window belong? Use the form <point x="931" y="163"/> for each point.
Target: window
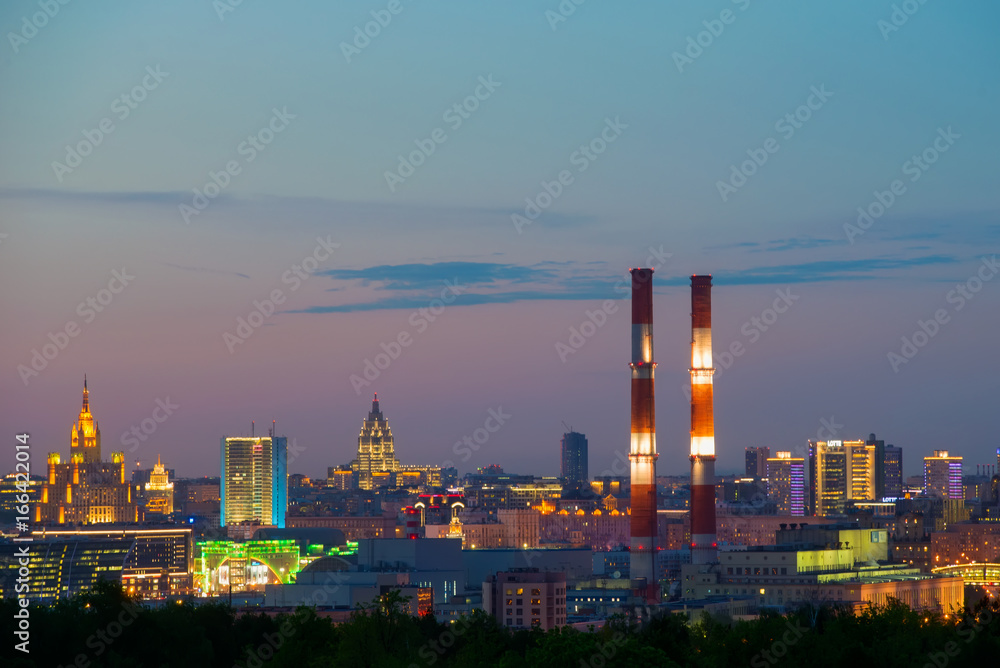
<point x="520" y="590"/>
<point x="510" y="591"/>
<point x="756" y="570"/>
<point x="520" y="622"/>
<point x="536" y="611"/>
<point x="774" y="571"/>
<point x="536" y="601"/>
<point x="739" y="570"/>
<point x="509" y="613"/>
<point x="520" y="601"/>
<point x="520" y="611"/>
<point x="536" y="592"/>
<point x="510" y="601"/>
<point x="729" y="571"/>
<point x="784" y="571"/>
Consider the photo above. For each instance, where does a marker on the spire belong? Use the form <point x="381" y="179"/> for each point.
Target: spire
<point x="375" y="404"/>
<point x="86" y="434"/>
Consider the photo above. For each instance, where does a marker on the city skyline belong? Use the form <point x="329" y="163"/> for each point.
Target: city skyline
<point x="295" y="451"/>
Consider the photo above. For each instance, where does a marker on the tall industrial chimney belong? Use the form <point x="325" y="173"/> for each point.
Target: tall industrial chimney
<point x="642" y="452"/>
<point x="703" y="541"/>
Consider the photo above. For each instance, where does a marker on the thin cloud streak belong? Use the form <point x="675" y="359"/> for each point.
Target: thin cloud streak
<point x="410" y="277"/>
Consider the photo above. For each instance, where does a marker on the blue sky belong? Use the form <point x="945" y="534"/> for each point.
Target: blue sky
<point x="889" y="95"/>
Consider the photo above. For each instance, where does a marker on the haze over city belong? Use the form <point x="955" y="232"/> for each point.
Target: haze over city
<point x="331" y="183"/>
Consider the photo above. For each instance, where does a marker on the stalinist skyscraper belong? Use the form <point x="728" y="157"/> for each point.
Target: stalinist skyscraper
<point x="376" y="455"/>
<point x="86" y="490"/>
<point x="86" y="438"/>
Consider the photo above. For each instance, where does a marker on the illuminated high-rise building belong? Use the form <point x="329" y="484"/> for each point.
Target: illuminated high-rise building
<point x="159" y="491"/>
<point x="862" y="478"/>
<point x="86" y="490"/>
<point x="254" y="481"/>
<point x="943" y="476"/>
<point x="574" y="459"/>
<point x="376" y="453"/>
<point x="786" y="483"/>
<point x="827" y="477"/>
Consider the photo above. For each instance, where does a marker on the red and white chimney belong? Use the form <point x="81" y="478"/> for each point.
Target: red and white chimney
<point x="704" y="544"/>
<point x="642" y="450"/>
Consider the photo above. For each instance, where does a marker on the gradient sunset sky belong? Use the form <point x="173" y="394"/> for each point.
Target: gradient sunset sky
<point x="680" y="123"/>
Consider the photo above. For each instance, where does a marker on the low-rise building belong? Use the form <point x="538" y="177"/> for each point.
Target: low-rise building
<point x="526" y="597"/>
<point x="966" y="542"/>
<point x="846" y="571"/>
<point x="148" y="562"/>
<point x="354" y="528"/>
<point x="754" y="530"/>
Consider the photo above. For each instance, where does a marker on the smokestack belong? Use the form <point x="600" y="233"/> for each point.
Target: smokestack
<point x="642" y="451"/>
<point x="703" y="541"/>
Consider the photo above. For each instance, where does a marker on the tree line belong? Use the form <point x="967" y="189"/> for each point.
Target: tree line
<point x="107" y="628"/>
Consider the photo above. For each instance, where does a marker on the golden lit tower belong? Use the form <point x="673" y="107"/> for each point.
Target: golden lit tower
<point x="862" y="470"/>
<point x="86" y="440"/>
<point x="159" y="491"/>
<point x="827" y="477"/>
<point x="376" y="451"/>
<point x="86" y="490"/>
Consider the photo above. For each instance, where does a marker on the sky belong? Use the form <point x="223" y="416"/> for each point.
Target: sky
<point x="262" y="202"/>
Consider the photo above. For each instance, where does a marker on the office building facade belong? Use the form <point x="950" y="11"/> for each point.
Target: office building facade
<point x="254" y="481"/>
<point x="943" y="476"/>
<point x="526" y="597"/>
<point x="827" y="478"/>
<point x="756" y="462"/>
<point x="574" y="470"/>
<point x="892" y="486"/>
<point x="862" y="471"/>
<point x="150" y="563"/>
<point x="786" y="483"/>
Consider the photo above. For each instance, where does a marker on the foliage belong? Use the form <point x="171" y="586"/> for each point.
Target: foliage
<point x="107" y="628"/>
